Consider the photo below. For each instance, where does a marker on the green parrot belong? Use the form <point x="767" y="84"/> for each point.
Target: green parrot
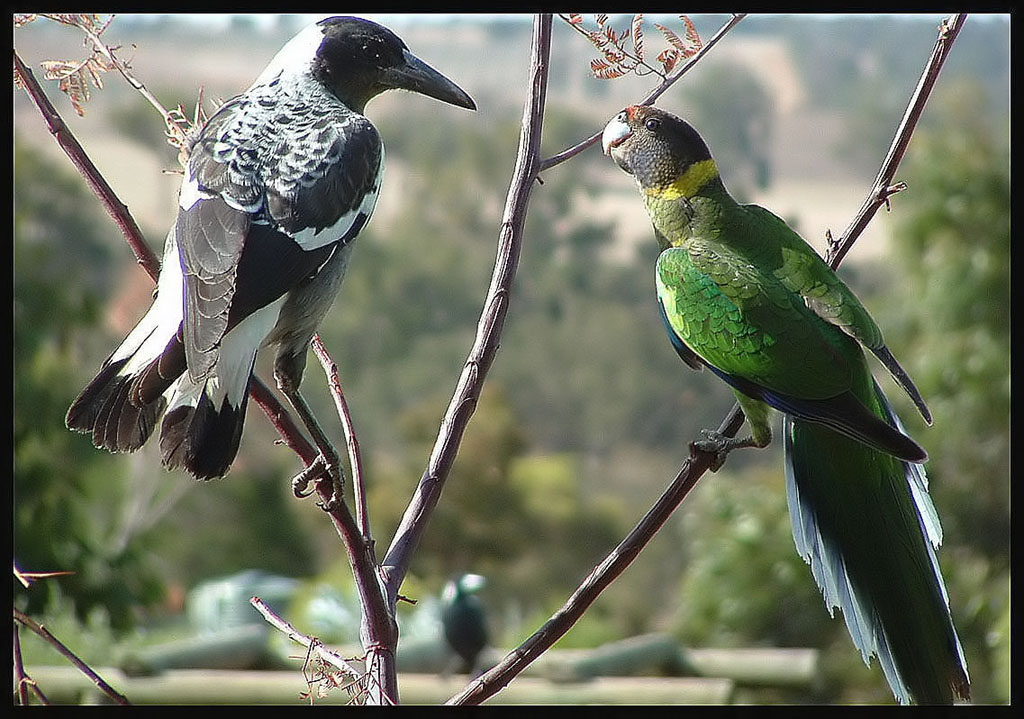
<point x="743" y="295"/>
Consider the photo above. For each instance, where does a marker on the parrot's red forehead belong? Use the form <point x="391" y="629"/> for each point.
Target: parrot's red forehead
<point x="632" y="110"/>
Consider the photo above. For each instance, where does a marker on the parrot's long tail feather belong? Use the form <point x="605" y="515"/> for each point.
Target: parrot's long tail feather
<point x="865" y="523"/>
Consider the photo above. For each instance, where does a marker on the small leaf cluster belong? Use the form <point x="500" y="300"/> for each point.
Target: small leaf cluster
<point x="623" y="51"/>
<point x="74" y="77"/>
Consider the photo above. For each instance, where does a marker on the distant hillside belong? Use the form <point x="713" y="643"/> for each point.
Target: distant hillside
<point x="837" y="86"/>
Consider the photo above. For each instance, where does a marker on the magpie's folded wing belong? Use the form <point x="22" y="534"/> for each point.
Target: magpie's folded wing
<point x="263" y="207"/>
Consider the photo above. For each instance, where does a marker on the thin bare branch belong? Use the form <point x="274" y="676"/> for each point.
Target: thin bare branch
<point x="311" y="643"/>
<point x="27" y="578"/>
<point x="351" y="442"/>
<point x="95" y="678"/>
<point x="884" y="187"/>
<point x="492" y="320"/>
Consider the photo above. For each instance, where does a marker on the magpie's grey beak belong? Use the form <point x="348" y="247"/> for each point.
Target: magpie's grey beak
<point x="418" y="76"/>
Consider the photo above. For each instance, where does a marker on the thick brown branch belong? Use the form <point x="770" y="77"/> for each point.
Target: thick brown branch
<point x="67" y="141"/>
<point x="378" y="630"/>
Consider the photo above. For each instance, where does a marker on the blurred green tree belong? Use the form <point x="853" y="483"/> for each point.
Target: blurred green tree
<point x="504" y="512"/>
<point x="734" y="111"/>
<point x="745" y="584"/>
<point x="67" y="496"/>
<point x="953" y="324"/>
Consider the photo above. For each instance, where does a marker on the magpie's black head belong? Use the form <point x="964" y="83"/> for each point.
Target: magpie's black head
<point x="358" y="59"/>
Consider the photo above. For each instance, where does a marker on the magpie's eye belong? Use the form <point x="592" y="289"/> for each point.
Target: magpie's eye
<point x="652" y="124"/>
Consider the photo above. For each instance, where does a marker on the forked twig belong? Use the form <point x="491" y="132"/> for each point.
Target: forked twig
<point x="310" y="643"/>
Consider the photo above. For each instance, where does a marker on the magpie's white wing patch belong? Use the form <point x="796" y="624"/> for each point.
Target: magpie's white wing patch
<point x="151" y="335"/>
<point x="348" y="225"/>
<point x="191" y="193"/>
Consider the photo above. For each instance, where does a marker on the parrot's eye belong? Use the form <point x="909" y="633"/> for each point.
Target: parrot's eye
<point x="652" y="124"/>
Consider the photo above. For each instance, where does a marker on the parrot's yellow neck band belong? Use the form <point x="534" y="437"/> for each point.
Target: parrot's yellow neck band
<point x="689" y="183"/>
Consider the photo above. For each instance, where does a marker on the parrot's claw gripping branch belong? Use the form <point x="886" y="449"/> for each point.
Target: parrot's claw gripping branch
<point x="720" y="445"/>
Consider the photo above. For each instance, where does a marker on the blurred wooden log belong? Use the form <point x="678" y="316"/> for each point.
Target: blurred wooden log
<point x="422" y="656"/>
<point x="66" y="685"/>
<point x="607" y="674"/>
<point x="234" y="648"/>
<point x="422" y="689"/>
<point x="659" y="654"/>
<point x="645" y="654"/>
<point x="758" y="667"/>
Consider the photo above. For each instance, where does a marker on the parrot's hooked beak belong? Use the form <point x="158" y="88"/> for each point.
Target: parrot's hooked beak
<point x="615" y="132"/>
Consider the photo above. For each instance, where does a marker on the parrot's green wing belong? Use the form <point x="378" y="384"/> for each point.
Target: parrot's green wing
<point x="804" y="272"/>
<point x="747" y="324"/>
<point x="760" y="336"/>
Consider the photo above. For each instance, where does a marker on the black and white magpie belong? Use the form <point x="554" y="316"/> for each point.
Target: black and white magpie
<point x="278" y="183"/>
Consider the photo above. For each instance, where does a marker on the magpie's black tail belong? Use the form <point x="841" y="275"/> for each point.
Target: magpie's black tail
<point x="202" y="426"/>
<point x="122" y="403"/>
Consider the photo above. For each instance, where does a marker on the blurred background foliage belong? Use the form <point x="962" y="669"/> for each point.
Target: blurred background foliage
<point x="587" y="412"/>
